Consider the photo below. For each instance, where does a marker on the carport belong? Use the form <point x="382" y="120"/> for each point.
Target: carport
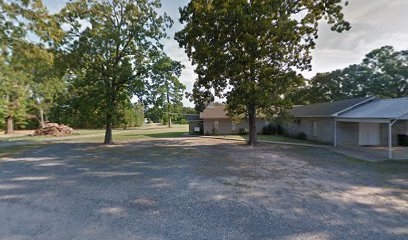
<point x="371" y="119"/>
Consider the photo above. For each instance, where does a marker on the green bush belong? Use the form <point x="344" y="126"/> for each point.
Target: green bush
<point x="272" y="129"/>
<point x="130" y="116"/>
<point x="301" y="136"/>
<point x="243" y="131"/>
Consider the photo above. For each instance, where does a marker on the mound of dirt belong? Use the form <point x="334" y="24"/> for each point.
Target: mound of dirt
<point x="53" y="129"/>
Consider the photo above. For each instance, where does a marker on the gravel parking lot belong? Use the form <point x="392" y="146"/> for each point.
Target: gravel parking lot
<point x="195" y="188"/>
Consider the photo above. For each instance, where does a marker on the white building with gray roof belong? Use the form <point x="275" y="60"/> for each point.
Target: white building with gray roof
<point x="367" y="121"/>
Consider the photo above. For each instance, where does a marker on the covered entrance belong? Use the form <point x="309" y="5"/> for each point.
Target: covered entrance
<point x="370" y="133"/>
<point x="379" y="122"/>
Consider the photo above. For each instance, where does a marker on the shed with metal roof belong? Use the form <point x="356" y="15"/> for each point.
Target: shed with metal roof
<point x="382" y="109"/>
<point x="366" y="121"/>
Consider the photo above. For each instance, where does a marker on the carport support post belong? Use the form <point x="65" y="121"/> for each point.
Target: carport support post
<point x="390" y="140"/>
<point x="390" y="124"/>
<point x="335" y="132"/>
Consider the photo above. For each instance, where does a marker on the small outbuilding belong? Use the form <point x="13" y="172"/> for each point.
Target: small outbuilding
<point x="195" y="124"/>
<point x="217" y="122"/>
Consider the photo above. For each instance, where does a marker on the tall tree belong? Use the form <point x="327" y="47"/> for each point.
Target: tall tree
<point x="13" y="85"/>
<point x="18" y="19"/>
<point x="247" y="50"/>
<point x="166" y="87"/>
<point x="45" y="78"/>
<point x="110" y="42"/>
<point x="336" y="85"/>
<point x="382" y="73"/>
<point x="388" y="76"/>
<point x="130" y="115"/>
<point x="12" y="30"/>
<point x="155" y="114"/>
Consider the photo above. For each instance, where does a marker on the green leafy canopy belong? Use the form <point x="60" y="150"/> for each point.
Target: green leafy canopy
<point x="247" y="50"/>
<point x="382" y="73"/>
<point x="27" y="66"/>
<point x="110" y="44"/>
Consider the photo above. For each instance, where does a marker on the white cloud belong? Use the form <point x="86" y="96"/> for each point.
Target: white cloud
<point x="374" y="24"/>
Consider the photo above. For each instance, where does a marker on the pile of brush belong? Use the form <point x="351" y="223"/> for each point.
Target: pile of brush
<point x="53" y="129"/>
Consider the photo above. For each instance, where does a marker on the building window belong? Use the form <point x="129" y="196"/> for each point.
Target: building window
<point x="234" y="126"/>
<point x="314" y="130"/>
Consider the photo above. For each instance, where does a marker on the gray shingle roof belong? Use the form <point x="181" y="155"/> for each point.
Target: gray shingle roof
<point x="193" y="117"/>
<point x="396" y="108"/>
<point x="326" y="109"/>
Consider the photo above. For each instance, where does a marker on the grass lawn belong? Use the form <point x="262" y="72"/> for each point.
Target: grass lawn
<point x="8" y="151"/>
<point x="146" y="131"/>
<point x="20" y="143"/>
<point x="97" y="135"/>
<point x="273" y="138"/>
<point x="26" y="137"/>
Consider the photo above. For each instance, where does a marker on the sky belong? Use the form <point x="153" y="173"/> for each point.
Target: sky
<point x="375" y="23"/>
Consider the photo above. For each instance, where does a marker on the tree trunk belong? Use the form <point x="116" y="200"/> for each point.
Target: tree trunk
<point x="9" y="125"/>
<point x="108" y="132"/>
<point x="252" y="124"/>
<point x="42" y="124"/>
<point x="168" y="107"/>
<point x="58" y="114"/>
<point x="169" y="121"/>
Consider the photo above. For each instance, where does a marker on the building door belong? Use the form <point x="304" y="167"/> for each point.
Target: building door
<point x="369" y="134"/>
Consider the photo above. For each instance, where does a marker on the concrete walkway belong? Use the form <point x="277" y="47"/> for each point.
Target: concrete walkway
<point x="374" y="154"/>
<point x="270" y="142"/>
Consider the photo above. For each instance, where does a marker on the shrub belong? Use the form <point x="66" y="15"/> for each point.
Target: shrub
<point x="272" y="129"/>
<point x="243" y="131"/>
<point x="268" y="129"/>
<point x="301" y="136"/>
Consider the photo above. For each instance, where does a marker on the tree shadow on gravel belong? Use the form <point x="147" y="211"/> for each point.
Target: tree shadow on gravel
<point x="202" y="189"/>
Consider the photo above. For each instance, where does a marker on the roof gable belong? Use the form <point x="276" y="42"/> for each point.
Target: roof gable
<point x="219" y="111"/>
<point x="327" y="109"/>
<point x="193" y="117"/>
<point x="396" y="108"/>
<point x="214" y="111"/>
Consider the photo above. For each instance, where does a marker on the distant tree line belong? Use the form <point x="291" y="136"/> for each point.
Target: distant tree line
<point x="159" y="114"/>
<point x="382" y="73"/>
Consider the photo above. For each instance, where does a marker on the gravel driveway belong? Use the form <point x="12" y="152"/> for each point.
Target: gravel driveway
<point x="196" y="188"/>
